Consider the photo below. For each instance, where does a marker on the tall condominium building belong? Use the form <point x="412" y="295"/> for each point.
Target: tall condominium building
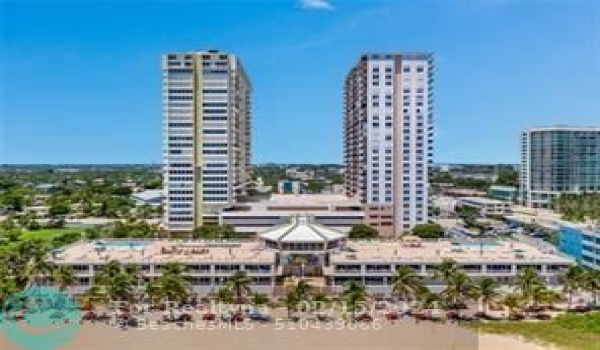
<point x="558" y="159"/>
<point x="389" y="138"/>
<point x="206" y="128"/>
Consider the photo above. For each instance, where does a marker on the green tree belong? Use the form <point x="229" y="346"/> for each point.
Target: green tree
<point x="459" y="289"/>
<point x="214" y="232"/>
<point x="173" y="287"/>
<point x="486" y="289"/>
<point x="591" y="283"/>
<point x="315" y="186"/>
<point x="239" y="284"/>
<point x="59" y="209"/>
<point x="445" y="270"/>
<point x="354" y="295"/>
<point x="573" y="280"/>
<point x="94" y="297"/>
<point x="508" y="178"/>
<point x="526" y="282"/>
<point x="118" y="282"/>
<point x="63" y="277"/>
<point x="405" y="283"/>
<point x="428" y="230"/>
<point x="259" y="299"/>
<point x="8" y="284"/>
<point x="512" y="302"/>
<point x="362" y="231"/>
<point x="225" y="295"/>
<point x="291" y="302"/>
<point x="303" y="290"/>
<point x="30" y="262"/>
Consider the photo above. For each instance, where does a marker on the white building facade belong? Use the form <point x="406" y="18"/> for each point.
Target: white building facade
<point x="388" y="144"/>
<point x="206" y="129"/>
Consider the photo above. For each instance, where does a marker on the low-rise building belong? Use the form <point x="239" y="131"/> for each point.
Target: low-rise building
<point x="582" y="242"/>
<point x="288" y="187"/>
<point x="487" y="206"/>
<point x="149" y="197"/>
<point x="335" y="211"/>
<point x="304" y="248"/>
<point x="504" y="193"/>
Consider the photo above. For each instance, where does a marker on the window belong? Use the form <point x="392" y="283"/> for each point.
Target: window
<point x="406" y="69"/>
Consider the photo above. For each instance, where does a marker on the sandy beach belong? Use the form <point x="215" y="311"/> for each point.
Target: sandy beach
<point x="402" y="335"/>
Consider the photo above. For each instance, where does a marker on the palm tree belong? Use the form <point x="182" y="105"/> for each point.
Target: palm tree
<point x="108" y="272"/>
<point x="527" y="280"/>
<point x="406" y="283"/>
<point x="591" y="283"/>
<point x="63" y="276"/>
<point x="458" y="290"/>
<point x="95" y="296"/>
<point x="174" y="268"/>
<point x="154" y="291"/>
<point x="512" y="302"/>
<point x="8" y="285"/>
<point x="225" y="295"/>
<point x="572" y="280"/>
<point x="121" y="288"/>
<point x="354" y="294"/>
<point x="549" y="297"/>
<point x="321" y="300"/>
<point x="303" y="290"/>
<point x="428" y="300"/>
<point x="240" y="285"/>
<point x="291" y="302"/>
<point x="486" y="289"/>
<point x="31" y="262"/>
<point x="174" y="287"/>
<point x="538" y="295"/>
<point x="259" y="299"/>
<point x="118" y="282"/>
<point x="443" y="271"/>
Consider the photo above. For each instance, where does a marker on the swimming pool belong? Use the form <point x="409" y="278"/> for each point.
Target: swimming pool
<point x="123" y="244"/>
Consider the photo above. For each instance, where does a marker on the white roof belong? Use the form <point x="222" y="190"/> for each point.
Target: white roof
<point x="301" y="229"/>
<point x="148" y="195"/>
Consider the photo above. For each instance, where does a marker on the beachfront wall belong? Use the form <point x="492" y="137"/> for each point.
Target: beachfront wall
<point x="378" y="277"/>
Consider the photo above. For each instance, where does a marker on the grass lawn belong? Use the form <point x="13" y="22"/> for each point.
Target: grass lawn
<point x="571" y="331"/>
<point x="48" y="234"/>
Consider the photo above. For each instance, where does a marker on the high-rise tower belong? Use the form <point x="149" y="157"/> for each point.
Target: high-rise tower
<point x="206" y="135"/>
<point x="388" y="131"/>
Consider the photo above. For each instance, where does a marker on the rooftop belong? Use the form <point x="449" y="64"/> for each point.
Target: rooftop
<point x="301" y="229"/>
<point x="164" y="251"/>
<point x="435" y="251"/>
<point x="503" y="188"/>
<point x="148" y="195"/>
<point x="564" y="127"/>
<point x="298" y="203"/>
<point x="482" y="200"/>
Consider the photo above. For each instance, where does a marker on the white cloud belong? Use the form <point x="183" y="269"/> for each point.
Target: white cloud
<point x="316" y="5"/>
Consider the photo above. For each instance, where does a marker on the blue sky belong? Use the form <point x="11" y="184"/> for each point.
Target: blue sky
<point x="81" y="80"/>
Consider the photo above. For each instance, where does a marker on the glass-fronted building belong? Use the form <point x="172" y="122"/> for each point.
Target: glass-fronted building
<point x="558" y="159"/>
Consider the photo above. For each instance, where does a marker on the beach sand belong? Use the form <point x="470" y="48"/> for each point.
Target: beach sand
<point x="402" y="335"/>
